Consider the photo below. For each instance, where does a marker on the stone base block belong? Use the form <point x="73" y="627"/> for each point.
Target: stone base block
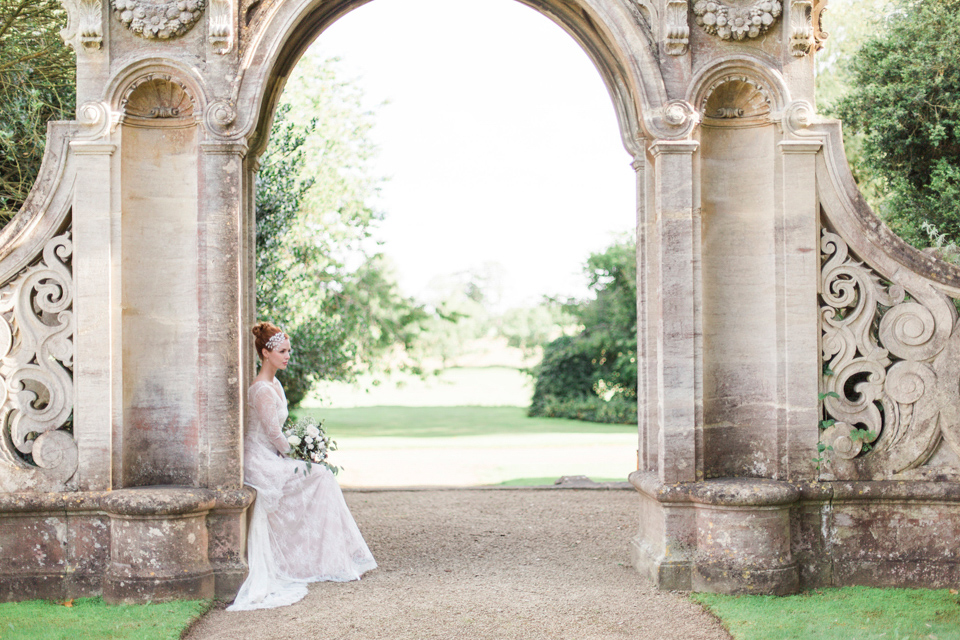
<point x="759" y="536"/>
<point x="120" y="589"/>
<point x="720" y="579"/>
<point x="131" y="545"/>
<point x="666" y="574"/>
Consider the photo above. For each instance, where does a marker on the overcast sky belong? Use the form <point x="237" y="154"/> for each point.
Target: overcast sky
<point x="499" y="138"/>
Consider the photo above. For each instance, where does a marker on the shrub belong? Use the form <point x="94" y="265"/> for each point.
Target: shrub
<point x="590" y="408"/>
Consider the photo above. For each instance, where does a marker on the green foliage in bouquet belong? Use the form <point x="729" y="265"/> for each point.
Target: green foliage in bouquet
<point x="310" y="443"/>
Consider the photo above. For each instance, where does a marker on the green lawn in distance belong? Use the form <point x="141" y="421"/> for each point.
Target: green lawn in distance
<point x="850" y="613"/>
<point x="434" y="422"/>
<point x="91" y="619"/>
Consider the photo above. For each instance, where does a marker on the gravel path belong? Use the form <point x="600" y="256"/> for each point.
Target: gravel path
<point x="478" y="564"/>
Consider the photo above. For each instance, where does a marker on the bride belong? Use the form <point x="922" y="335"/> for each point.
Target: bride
<point x="301" y="529"/>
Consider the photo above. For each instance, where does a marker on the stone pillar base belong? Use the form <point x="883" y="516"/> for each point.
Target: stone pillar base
<point x="131" y="545"/>
<point x="722" y="536"/>
<point x="158" y="545"/>
<point x="761" y="536"/>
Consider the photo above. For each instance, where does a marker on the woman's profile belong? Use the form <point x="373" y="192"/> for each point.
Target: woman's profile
<point x="301" y="530"/>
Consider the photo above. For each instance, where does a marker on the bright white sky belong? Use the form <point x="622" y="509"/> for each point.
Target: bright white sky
<point x="500" y="141"/>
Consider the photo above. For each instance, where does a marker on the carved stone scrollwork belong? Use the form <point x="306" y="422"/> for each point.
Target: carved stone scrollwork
<point x="819" y="35"/>
<point x="84" y="24"/>
<point x="36" y="360"/>
<point x="220" y="23"/>
<point x="892" y="374"/>
<point x="737" y="23"/>
<point x="677" y="38"/>
<point x="676" y="119"/>
<point x="160" y="19"/>
<point x="219" y="117"/>
<point x="801" y="33"/>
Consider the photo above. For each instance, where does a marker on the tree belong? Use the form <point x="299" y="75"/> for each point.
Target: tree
<point x="319" y="274"/>
<point x="37" y="84"/>
<point x="593" y="375"/>
<point x="905" y="102"/>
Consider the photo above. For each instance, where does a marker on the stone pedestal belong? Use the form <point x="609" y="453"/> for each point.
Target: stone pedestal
<point x="138" y="545"/>
<point x="760" y="536"/>
<point x="723" y="536"/>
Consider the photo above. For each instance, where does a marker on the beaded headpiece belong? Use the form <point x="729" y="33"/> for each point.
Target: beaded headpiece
<point x="275" y="341"/>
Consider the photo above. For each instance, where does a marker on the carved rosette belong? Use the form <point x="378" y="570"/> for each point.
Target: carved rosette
<point x="892" y="375"/>
<point x="737" y="23"/>
<point x="160" y="19"/>
<point x="36" y="361"/>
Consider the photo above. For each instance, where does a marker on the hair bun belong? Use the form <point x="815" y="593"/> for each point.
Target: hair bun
<point x="263" y="331"/>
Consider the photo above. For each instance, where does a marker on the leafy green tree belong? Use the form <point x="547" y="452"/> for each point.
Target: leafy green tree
<point x="581" y="374"/>
<point x="37" y="84"/>
<point x="319" y="274"/>
<point x="905" y="103"/>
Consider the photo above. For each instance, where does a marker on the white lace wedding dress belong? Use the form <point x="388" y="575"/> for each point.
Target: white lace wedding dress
<point x="301" y="529"/>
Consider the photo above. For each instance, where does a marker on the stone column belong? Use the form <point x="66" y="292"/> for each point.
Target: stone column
<point x="96" y="367"/>
<point x="798" y="268"/>
<point x="221" y="298"/>
<point x="676" y="293"/>
<point x="646" y="326"/>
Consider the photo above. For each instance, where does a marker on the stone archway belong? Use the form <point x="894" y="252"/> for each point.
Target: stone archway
<point x="127" y="284"/>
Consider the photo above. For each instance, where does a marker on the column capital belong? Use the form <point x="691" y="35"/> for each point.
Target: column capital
<point x="800" y="146"/>
<point x="91" y="148"/>
<point x="663" y="147"/>
<point x="226" y="148"/>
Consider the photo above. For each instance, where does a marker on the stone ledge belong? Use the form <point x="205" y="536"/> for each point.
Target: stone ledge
<point x="27" y="502"/>
<point x="733" y="492"/>
<point x="158" y="501"/>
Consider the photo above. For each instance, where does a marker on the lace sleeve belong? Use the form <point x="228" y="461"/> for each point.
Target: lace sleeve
<point x="267" y="405"/>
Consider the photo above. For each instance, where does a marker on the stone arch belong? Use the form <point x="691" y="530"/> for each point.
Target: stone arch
<point x="618" y="41"/>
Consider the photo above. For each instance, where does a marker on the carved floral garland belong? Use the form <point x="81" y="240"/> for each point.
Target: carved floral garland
<point x="737" y="23"/>
<point x="159" y="19"/>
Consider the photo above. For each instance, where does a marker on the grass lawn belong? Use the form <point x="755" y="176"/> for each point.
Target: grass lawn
<point x="446" y="422"/>
<point x="850" y="613"/>
<point x="91" y="619"/>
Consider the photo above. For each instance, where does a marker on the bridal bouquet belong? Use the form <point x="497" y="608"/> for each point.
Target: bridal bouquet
<point x="310" y="443"/>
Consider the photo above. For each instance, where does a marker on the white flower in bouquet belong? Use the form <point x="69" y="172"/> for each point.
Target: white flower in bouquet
<point x="310" y="443"/>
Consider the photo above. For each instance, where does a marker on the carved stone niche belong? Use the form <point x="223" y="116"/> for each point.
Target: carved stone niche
<point x="736" y="101"/>
<point x="158" y="99"/>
